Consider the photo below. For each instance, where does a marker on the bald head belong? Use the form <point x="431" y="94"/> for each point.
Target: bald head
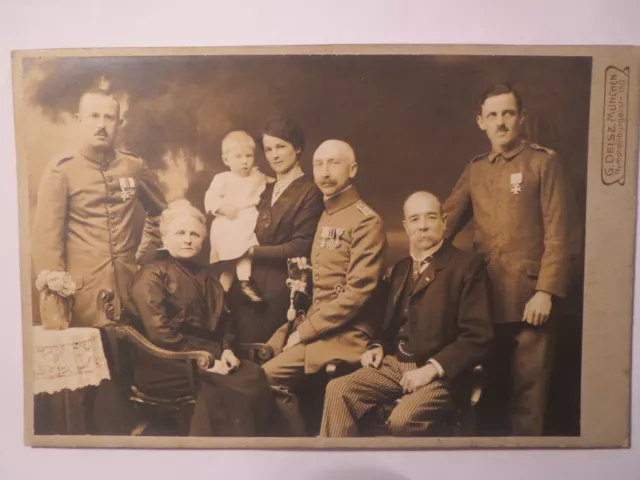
<point x="334" y="166"/>
<point x="335" y="149"/>
<point x="420" y="199"/>
<point x="424" y="221"/>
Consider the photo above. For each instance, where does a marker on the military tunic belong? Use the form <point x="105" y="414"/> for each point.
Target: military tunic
<point x="521" y="206"/>
<point x="85" y="224"/>
<point x="347" y="257"/>
<point x="523" y="212"/>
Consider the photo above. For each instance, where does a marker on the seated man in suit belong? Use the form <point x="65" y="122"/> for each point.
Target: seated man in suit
<point x="347" y="258"/>
<point x="437" y="327"/>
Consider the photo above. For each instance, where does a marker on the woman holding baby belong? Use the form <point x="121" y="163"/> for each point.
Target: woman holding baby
<point x="286" y="215"/>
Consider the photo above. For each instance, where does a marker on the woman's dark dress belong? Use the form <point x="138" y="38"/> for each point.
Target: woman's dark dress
<point x="284" y="230"/>
<point x="181" y="305"/>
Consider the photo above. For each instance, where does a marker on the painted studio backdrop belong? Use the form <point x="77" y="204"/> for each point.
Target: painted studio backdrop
<point x="410" y="118"/>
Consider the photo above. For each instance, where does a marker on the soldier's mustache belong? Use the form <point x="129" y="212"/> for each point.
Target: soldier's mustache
<point x="102" y="131"/>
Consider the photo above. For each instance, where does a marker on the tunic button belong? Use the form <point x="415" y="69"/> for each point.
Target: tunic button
<point x="317" y="301"/>
<point x="109" y="179"/>
<point x="113" y="216"/>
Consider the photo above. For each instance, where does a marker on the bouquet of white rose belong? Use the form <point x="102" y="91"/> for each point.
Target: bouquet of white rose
<point x="56" y="296"/>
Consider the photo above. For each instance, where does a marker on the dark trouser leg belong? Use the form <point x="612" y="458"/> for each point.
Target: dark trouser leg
<point x="531" y="365"/>
<point x="285" y="372"/>
<point x="492" y="407"/>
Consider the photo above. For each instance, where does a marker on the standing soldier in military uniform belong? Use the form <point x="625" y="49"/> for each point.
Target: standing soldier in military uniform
<point x="347" y="259"/>
<point x="519" y="199"/>
<point x="85" y="224"/>
<point x="85" y="214"/>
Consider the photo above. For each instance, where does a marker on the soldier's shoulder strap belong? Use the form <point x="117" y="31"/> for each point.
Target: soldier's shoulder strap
<point x="540" y="148"/>
<point x="365" y="209"/>
<point x="60" y="161"/>
<point x="128" y="153"/>
<point x="480" y="157"/>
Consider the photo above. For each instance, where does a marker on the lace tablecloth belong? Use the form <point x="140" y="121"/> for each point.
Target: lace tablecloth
<point x="68" y="359"/>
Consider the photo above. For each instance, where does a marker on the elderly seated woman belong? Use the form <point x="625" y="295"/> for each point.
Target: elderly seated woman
<point x="181" y="305"/>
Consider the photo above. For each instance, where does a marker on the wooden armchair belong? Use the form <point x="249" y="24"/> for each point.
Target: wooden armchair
<point x="166" y="415"/>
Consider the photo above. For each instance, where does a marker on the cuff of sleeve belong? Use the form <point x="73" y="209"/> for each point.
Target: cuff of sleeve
<point x="439" y="368"/>
<point x="375" y="345"/>
<point x="551" y="288"/>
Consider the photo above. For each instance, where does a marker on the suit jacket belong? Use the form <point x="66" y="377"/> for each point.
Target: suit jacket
<point x="284" y="230"/>
<point x="449" y="310"/>
<point x="347" y="259"/>
<point x="524" y="217"/>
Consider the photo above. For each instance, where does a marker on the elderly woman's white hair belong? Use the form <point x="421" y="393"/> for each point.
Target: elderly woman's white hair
<point x="179" y="209"/>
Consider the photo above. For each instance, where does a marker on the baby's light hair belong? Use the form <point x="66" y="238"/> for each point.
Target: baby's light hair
<point x="235" y="138"/>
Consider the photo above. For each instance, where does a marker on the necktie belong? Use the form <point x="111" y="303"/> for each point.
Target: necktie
<point x="417" y="265"/>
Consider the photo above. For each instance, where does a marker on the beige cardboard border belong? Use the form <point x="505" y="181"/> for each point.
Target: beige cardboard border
<point x="609" y="268"/>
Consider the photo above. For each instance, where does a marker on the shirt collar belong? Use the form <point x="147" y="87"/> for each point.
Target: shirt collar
<point x="427" y="253"/>
<point x="508" y="155"/>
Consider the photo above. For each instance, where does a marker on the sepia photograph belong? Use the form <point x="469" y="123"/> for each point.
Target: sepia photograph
<point x="384" y="247"/>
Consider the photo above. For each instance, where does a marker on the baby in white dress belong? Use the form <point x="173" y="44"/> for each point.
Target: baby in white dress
<point x="232" y="199"/>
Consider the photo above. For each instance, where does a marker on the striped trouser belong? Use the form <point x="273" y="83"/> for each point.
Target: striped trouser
<point x="348" y="398"/>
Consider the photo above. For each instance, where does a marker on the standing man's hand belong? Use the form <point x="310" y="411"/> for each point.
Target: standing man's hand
<point x="537" y="309"/>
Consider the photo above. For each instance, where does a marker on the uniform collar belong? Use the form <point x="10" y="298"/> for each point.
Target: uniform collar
<point x="100" y="157"/>
<point x="341" y="200"/>
<point x="513" y="152"/>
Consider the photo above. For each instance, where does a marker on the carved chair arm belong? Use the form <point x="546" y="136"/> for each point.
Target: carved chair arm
<point x="258" y="352"/>
<point x="203" y="359"/>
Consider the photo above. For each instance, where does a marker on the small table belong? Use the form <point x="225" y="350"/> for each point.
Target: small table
<point x="65" y="363"/>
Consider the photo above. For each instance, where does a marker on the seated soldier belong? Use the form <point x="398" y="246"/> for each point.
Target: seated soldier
<point x="437" y="327"/>
<point x="181" y="305"/>
<point x="347" y="259"/>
